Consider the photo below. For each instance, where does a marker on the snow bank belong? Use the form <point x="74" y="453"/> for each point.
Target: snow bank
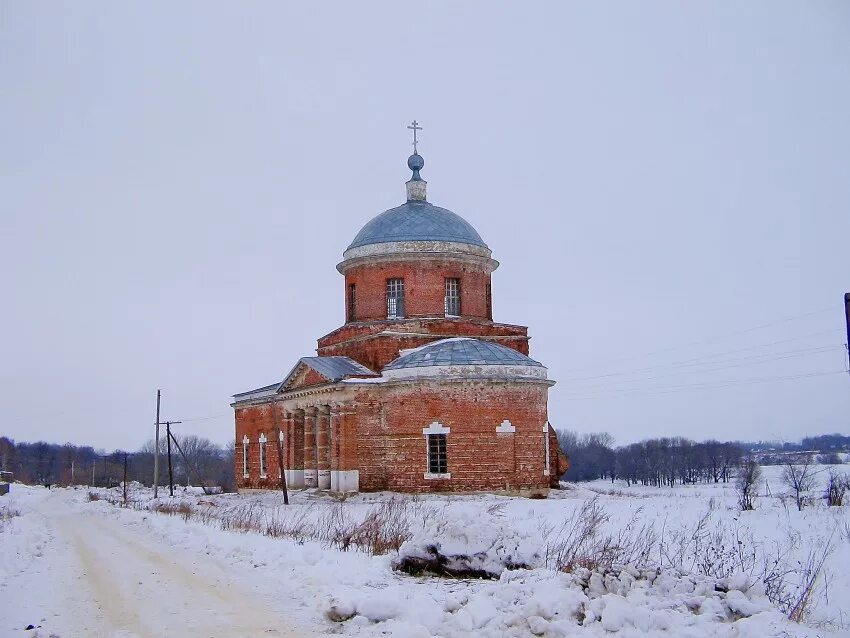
<point x="542" y="602"/>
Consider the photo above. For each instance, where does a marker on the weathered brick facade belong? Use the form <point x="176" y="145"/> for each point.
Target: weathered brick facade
<point x="416" y="400"/>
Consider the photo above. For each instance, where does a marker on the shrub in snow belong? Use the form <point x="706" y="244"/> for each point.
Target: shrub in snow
<point x="836" y="486"/>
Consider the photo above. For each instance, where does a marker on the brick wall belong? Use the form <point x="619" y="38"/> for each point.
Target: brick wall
<point x="375" y="344"/>
<point x="253" y="421"/>
<point x="424" y="287"/>
<point x="392" y="447"/>
<point x="379" y="433"/>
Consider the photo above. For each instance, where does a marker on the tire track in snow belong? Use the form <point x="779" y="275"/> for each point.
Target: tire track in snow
<point x="125" y="585"/>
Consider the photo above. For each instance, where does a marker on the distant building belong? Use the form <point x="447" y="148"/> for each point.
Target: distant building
<point x="420" y="390"/>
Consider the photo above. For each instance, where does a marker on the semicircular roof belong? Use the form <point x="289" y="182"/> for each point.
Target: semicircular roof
<point x="417" y="221"/>
<point x="461" y="351"/>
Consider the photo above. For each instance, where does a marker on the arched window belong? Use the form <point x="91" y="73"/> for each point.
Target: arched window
<point x="245" y="442"/>
<point x="264" y="466"/>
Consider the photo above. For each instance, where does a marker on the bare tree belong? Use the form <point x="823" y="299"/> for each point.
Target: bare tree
<point x="204" y="456"/>
<point x="836" y="486"/>
<point x="799" y="475"/>
<point x="746" y="483"/>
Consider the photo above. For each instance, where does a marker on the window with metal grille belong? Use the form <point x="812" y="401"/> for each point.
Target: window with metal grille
<point x="352" y="302"/>
<point x="437" y="459"/>
<point x="452" y="303"/>
<point x="489" y="295"/>
<point x="395" y="298"/>
<point x="263" y="459"/>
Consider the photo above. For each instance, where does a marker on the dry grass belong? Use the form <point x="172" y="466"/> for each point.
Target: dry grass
<point x="383" y="529"/>
<point x="581" y="541"/>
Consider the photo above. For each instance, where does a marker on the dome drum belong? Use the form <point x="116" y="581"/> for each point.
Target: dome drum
<point x="424" y="278"/>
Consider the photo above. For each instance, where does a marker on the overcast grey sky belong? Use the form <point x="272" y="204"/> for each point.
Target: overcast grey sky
<point x="666" y="185"/>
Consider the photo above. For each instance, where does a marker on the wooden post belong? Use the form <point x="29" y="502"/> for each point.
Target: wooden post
<point x="156" y="450"/>
<point x="170" y="469"/>
<point x="280" y="455"/>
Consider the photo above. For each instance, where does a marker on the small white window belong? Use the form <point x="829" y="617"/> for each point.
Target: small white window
<point x="245" y="442"/>
<point x="263" y="461"/>
<point x="546" y="448"/>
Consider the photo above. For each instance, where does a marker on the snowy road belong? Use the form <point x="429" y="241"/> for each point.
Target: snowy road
<point x="112" y="581"/>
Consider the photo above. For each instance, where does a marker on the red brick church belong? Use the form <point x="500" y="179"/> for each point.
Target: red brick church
<point x="420" y="390"/>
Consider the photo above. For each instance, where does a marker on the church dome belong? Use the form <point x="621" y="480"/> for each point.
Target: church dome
<point x="464" y="357"/>
<point x="417" y="221"/>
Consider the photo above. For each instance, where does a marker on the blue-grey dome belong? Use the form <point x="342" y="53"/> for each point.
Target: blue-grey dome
<point x="417" y="221"/>
<point x="461" y="352"/>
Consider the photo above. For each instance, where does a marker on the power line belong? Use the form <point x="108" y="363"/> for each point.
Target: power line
<point x="702" y="386"/>
<point x="208" y="418"/>
<point x="719" y="337"/>
<point x="733" y="363"/>
<point x="682" y="362"/>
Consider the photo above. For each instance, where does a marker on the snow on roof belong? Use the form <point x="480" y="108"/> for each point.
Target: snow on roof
<point x="461" y="351"/>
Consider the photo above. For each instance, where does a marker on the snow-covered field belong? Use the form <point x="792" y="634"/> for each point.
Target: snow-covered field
<point x="74" y="567"/>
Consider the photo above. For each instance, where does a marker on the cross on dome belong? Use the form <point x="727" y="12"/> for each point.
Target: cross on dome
<point x="414" y="126"/>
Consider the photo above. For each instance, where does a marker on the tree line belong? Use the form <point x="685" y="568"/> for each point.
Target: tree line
<point x="205" y="463"/>
<point x="671" y="460"/>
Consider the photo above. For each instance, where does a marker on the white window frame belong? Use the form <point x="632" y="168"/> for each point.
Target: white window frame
<point x="264" y="459"/>
<point x="245" y="466"/>
<point x="452" y="297"/>
<point x="435" y="428"/>
<point x="546" y="448"/>
<point x="395" y="298"/>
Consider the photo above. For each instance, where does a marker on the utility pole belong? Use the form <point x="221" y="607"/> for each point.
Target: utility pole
<point x="847" y="317"/>
<point x="156" y="450"/>
<point x="168" y="425"/>
<point x="72" y="471"/>
<point x="125" y="479"/>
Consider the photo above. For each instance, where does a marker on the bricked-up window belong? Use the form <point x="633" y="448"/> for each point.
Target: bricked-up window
<point x="352" y="302"/>
<point x="245" y="456"/>
<point x="452" y="297"/>
<point x="395" y="298"/>
<point x="263" y="458"/>
<point x="437" y="459"/>
<point x="489" y="296"/>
